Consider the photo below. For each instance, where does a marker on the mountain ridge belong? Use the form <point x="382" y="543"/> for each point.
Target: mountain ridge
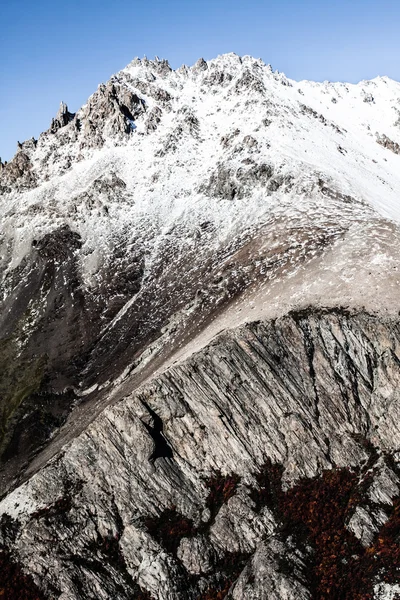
<point x="188" y="245"/>
<point x="260" y="200"/>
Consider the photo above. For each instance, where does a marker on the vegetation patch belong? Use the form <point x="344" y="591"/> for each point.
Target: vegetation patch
<point x="221" y="489"/>
<point x="170" y="526"/>
<point x="315" y="512"/>
<point x="19" y="379"/>
<point x="14" y="583"/>
<point x="228" y="569"/>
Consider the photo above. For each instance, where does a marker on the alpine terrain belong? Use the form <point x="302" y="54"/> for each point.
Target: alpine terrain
<point x="200" y="341"/>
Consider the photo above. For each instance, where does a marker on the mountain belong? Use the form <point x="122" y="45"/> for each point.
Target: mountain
<point x="200" y="340"/>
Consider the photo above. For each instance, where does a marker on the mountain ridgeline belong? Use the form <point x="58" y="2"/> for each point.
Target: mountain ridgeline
<point x="200" y="341"/>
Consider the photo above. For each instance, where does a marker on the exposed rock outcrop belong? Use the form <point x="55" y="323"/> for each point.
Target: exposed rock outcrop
<point x="384" y="141"/>
<point x="62" y="118"/>
<point x="238" y="502"/>
<point x="17" y="174"/>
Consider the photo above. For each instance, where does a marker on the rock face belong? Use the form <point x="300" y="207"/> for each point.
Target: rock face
<point x="264" y="466"/>
<point x="17" y="174"/>
<point x="388" y="143"/>
<point x="199" y="340"/>
<point x="62" y="118"/>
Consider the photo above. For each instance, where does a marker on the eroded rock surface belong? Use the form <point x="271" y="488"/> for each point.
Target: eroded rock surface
<point x="261" y="467"/>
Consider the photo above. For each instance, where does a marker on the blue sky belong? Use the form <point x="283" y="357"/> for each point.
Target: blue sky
<point x="53" y="51"/>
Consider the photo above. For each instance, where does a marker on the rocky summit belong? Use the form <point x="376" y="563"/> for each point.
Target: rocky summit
<point x="200" y="341"/>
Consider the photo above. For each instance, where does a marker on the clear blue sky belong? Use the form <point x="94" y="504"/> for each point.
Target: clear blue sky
<point x="53" y="51"/>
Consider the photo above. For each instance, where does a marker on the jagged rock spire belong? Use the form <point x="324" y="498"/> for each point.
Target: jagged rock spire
<point x="200" y="65"/>
<point x="62" y="118"/>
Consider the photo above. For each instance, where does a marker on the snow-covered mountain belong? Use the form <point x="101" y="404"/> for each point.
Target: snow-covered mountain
<point x="199" y="322"/>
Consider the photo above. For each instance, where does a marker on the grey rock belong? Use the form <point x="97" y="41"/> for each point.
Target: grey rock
<point x="197" y="555"/>
<point x="200" y="66"/>
<point x="264" y="578"/>
<point x="366" y="524"/>
<point x="17" y="174"/>
<point x="62" y="118"/>
<point x="230" y="184"/>
<point x="384" y="141"/>
<point x="291" y="390"/>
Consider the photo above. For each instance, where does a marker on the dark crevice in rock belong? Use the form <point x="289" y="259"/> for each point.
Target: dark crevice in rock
<point x="169" y="528"/>
<point x="109" y="563"/>
<point x="268" y="492"/>
<point x="221" y="489"/>
<point x="162" y="449"/>
<point x="9" y="528"/>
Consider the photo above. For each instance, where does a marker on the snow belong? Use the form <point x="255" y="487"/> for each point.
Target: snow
<point x="306" y="131"/>
<point x="21" y="503"/>
<point x="386" y="591"/>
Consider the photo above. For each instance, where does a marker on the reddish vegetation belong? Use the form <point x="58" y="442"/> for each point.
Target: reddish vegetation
<point x="230" y="568"/>
<point x="316" y="510"/>
<point x="221" y="489"/>
<point x="14" y="584"/>
<point x="216" y="594"/>
<point x="382" y="558"/>
<point x="169" y="528"/>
